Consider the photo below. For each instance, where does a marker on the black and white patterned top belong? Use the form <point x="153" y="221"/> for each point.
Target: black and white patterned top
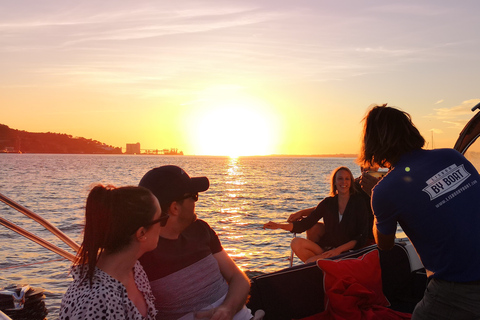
<point x="107" y="297"/>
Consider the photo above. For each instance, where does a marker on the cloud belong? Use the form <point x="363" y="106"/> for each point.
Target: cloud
<point x="410" y="9"/>
<point x="157" y="43"/>
<point x="456" y="111"/>
<point x="455" y="116"/>
<point x="386" y="51"/>
<point x="436" y="130"/>
<point x="439" y="101"/>
<point x="125" y="23"/>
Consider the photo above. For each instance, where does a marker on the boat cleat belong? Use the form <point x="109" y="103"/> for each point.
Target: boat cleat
<point x="18" y="298"/>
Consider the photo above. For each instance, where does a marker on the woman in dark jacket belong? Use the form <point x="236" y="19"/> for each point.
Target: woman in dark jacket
<point x="345" y="220"/>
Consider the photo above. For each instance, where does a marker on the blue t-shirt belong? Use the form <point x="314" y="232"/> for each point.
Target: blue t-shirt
<point x="435" y="197"/>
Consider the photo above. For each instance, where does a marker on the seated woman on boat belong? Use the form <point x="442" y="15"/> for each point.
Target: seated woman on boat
<point x="121" y="224"/>
<point x="345" y="220"/>
<point x="363" y="184"/>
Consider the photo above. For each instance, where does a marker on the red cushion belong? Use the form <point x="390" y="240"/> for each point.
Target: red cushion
<point x="353" y="290"/>
<point x="357" y="276"/>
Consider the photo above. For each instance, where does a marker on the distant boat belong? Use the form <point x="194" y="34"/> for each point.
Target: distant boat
<point x="10" y="151"/>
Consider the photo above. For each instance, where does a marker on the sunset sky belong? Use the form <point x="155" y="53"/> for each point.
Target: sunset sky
<point x="225" y="77"/>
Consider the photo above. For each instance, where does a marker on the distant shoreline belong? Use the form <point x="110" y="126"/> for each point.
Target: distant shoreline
<point x="24" y="142"/>
<point x="341" y="155"/>
<point x="338" y="155"/>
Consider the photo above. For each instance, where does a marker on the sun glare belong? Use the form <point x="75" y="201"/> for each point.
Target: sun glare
<point x="235" y="129"/>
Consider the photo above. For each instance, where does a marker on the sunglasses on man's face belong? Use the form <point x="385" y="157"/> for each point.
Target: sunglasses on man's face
<point x="194" y="197"/>
<point x="163" y="221"/>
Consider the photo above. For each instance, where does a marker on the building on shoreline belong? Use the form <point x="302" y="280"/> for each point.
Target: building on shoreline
<point x="133" y="148"/>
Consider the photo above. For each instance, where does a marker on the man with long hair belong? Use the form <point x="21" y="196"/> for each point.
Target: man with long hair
<point x="435" y="197"/>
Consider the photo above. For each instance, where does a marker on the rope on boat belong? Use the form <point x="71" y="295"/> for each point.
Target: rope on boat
<point x="72" y="244"/>
<point x="291" y="253"/>
<point x="32" y="264"/>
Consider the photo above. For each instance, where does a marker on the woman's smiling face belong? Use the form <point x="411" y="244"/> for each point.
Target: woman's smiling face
<point x="343" y="181"/>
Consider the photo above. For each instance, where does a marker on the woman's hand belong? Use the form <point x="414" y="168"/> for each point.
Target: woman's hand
<point x="324" y="255"/>
<point x="218" y="313"/>
<point x="271" y="225"/>
<point x="331" y="253"/>
<point x="295" y="216"/>
<point x="300" y="214"/>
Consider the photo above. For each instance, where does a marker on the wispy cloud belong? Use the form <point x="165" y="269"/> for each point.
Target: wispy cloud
<point x="456" y="116"/>
<point x="410" y="9"/>
<point x="153" y="43"/>
<point x="126" y="23"/>
<point x="386" y="51"/>
<point x="436" y="130"/>
<point x="463" y="109"/>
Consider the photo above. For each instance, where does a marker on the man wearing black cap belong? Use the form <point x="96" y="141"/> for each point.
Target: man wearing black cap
<point x="189" y="271"/>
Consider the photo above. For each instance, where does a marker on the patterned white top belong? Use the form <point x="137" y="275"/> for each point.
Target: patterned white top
<point x="107" y="297"/>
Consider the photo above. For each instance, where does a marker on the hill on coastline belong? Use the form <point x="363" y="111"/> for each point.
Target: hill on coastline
<point x="18" y="141"/>
<point x="12" y="140"/>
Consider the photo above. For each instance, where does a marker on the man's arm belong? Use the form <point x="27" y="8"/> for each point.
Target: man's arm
<point x="238" y="287"/>
<point x="367" y="182"/>
<point x="384" y="242"/>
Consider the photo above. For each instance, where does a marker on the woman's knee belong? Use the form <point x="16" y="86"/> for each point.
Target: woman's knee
<point x="297" y="243"/>
<point x="294" y="243"/>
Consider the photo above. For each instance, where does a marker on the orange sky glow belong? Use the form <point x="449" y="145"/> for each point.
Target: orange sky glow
<point x="236" y="78"/>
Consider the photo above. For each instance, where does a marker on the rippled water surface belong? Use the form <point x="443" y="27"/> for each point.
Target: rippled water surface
<point x="244" y="194"/>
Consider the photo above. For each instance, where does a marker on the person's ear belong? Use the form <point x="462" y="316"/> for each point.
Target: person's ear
<point x="140" y="234"/>
<point x="174" y="208"/>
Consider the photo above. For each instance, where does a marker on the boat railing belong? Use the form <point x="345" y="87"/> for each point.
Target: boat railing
<point x="47" y="225"/>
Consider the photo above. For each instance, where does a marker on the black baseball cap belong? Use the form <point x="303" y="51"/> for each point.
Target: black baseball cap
<point x="170" y="183"/>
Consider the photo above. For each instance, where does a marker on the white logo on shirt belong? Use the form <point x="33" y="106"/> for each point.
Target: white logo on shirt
<point x="446" y="180"/>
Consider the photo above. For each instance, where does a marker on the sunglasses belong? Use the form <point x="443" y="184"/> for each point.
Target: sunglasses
<point x="194" y="196"/>
<point x="163" y="221"/>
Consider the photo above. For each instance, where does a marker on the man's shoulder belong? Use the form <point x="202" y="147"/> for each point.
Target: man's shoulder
<point x="200" y="229"/>
<point x="431" y="156"/>
<point x="198" y="224"/>
<point x="202" y="222"/>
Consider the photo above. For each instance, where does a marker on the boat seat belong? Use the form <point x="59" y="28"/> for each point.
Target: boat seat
<point x="298" y="292"/>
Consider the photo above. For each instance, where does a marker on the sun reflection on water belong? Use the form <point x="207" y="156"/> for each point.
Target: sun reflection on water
<point x="229" y="210"/>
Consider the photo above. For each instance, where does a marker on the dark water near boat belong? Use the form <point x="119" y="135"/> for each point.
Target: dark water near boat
<point x="244" y="194"/>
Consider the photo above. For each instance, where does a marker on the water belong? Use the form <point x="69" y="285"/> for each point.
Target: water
<point x="244" y="194"/>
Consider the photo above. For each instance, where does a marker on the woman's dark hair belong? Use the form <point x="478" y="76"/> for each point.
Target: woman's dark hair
<point x="333" y="187"/>
<point x="388" y="133"/>
<point x="112" y="216"/>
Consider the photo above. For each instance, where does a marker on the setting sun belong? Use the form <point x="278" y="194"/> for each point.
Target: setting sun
<point x="235" y="128"/>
